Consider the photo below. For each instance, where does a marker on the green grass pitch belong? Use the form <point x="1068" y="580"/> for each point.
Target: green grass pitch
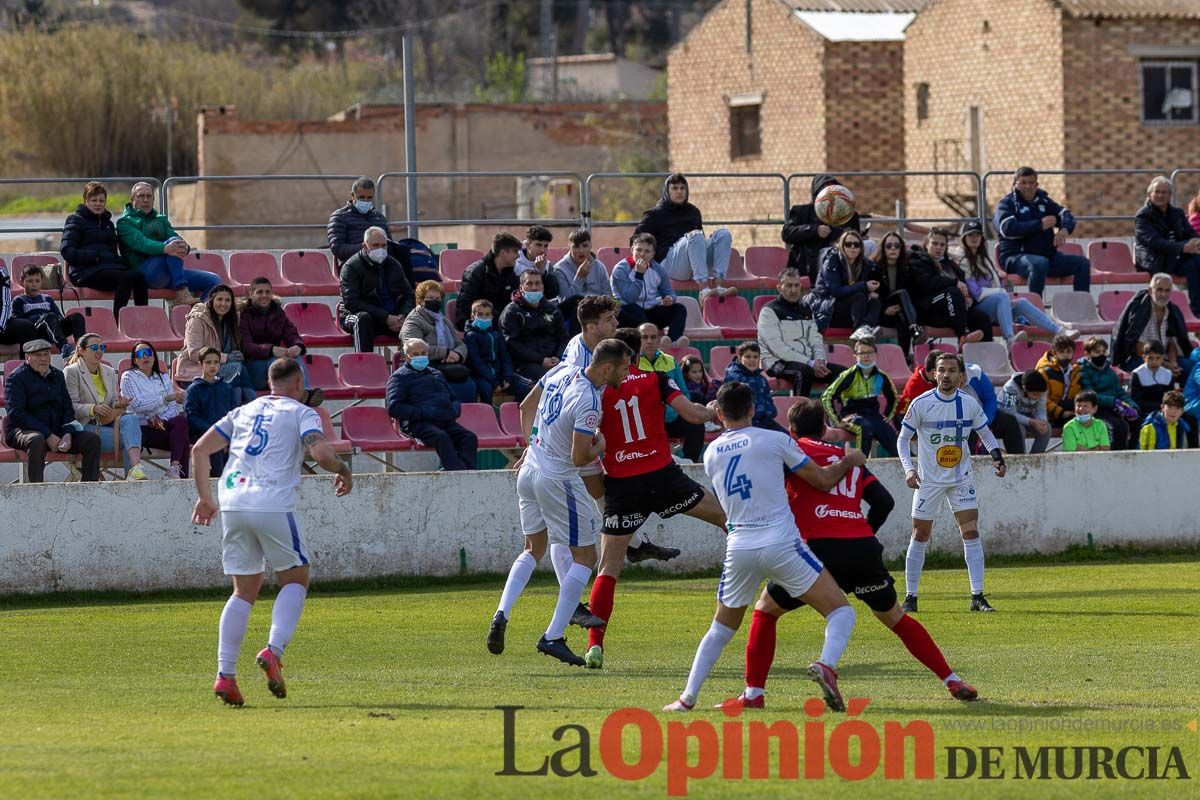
<point x="392" y="693"/>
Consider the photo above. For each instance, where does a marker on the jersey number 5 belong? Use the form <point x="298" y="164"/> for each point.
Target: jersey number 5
<point x="736" y="484"/>
<point x="258" y="436"/>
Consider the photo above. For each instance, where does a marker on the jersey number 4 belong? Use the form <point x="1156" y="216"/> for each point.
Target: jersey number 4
<point x="627" y="410"/>
<point x="736" y="484"/>
<point x="258" y="436"/>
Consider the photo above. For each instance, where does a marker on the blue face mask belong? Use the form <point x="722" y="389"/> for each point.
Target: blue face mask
<point x="483" y="324"/>
<point x="1084" y="419"/>
<point x="419" y="363"/>
<point x="533" y="297"/>
<point x="363" y="206"/>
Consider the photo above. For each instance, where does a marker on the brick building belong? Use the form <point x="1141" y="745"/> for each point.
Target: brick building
<point x="790" y="86"/>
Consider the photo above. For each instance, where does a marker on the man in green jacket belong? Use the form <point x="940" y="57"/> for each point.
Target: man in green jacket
<point x="150" y="244"/>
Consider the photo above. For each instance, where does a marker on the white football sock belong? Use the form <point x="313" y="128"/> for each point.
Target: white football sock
<point x="753" y="692"/>
<point x="706" y="655"/>
<point x="230" y="633"/>
<point x="637" y="539"/>
<point x="285" y="614"/>
<point x="518" y="577"/>
<point x="561" y="559"/>
<point x="953" y="676"/>
<point x="573" y="584"/>
<point x="914" y="562"/>
<point x="838" y="626"/>
<point x="973" y="554"/>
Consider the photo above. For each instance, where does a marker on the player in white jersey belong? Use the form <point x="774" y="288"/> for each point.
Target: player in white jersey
<point x="746" y="466"/>
<point x="551" y="496"/>
<point x="942" y="421"/>
<point x="267" y="439"/>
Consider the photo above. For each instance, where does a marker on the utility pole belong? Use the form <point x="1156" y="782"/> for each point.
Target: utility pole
<point x="546" y="25"/>
<point x="410" y="135"/>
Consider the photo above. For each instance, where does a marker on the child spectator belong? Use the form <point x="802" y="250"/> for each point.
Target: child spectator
<point x="852" y="401"/>
<point x="1115" y="404"/>
<point x="1058" y="367"/>
<point x="1151" y="381"/>
<point x="701" y="388"/>
<point x="747" y="369"/>
<point x="42" y="311"/>
<point x="1084" y="432"/>
<point x="1024" y="397"/>
<point x="487" y="354"/>
<point x="920" y="382"/>
<point x="1166" y="429"/>
<point x="208" y="399"/>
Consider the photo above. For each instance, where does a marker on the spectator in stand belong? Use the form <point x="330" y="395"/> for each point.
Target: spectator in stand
<point x="207" y="400"/>
<point x="1024" y="397"/>
<point x="1151" y="380"/>
<point x="533" y="256"/>
<point x="420" y="399"/>
<point x="533" y="331"/>
<point x="1032" y="227"/>
<point x="214" y="323"/>
<point x="806" y="236"/>
<point x="41" y="415"/>
<point x="920" y="382"/>
<point x="150" y="244"/>
<point x="446" y="351"/>
<point x="990" y="295"/>
<point x="747" y="369"/>
<point x="89" y="246"/>
<point x="700" y="387"/>
<point x="579" y="274"/>
<point x="679" y="241"/>
<point x="92" y="385"/>
<point x="267" y="335"/>
<point x="492" y="278"/>
<point x="852" y="401"/>
<point x="844" y="295"/>
<point x="1193" y="212"/>
<point x="1003" y="425"/>
<point x="1115" y="406"/>
<point x="1061" y="372"/>
<point x="939" y="291"/>
<point x="376" y="294"/>
<point x="1083" y="432"/>
<point x="1164" y="240"/>
<point x="348" y="224"/>
<point x="889" y="267"/>
<point x="42" y="311"/>
<point x="1166" y="429"/>
<point x="792" y="347"/>
<point x="1150" y="316"/>
<point x="12" y="329"/>
<point x="487" y="354"/>
<point x="158" y="404"/>
<point x="652" y="359"/>
<point x="644" y="289"/>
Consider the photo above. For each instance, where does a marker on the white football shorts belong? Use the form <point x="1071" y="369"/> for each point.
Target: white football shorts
<point x="252" y="539"/>
<point x="562" y="507"/>
<point x="790" y="564"/>
<point x="927" y="500"/>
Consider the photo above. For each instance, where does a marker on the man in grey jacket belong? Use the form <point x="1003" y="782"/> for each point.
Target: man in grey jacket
<point x="578" y="274"/>
<point x="792" y="347"/>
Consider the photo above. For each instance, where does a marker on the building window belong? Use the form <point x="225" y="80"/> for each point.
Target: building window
<point x="922" y="102"/>
<point x="1169" y="92"/>
<point x="745" y="139"/>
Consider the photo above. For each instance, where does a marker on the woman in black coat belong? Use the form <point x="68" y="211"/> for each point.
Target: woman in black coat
<point x="889" y="266"/>
<point x="89" y="246"/>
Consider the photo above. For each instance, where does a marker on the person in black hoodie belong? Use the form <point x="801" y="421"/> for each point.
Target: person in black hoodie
<point x="939" y="291"/>
<point x="889" y="266"/>
<point x="89" y="246"/>
<point x="492" y="278"/>
<point x="533" y="331"/>
<point x="806" y="236"/>
<point x="681" y="246"/>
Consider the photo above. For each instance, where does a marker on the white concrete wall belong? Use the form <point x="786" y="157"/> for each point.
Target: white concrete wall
<point x="139" y="535"/>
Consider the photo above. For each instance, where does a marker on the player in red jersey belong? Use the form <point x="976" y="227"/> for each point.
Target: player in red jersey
<point x="835" y="529"/>
<point x="641" y="477"/>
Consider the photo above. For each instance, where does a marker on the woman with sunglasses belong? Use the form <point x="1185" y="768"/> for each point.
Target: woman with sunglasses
<point x="92" y="385"/>
<point x="158" y="404"/>
<point x="214" y="323"/>
<point x="890" y="268"/>
<point x="844" y="295"/>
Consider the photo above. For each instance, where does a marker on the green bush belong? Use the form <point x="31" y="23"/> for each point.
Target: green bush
<point x="57" y="204"/>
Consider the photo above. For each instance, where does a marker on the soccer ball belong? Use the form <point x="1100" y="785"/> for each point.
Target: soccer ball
<point x="834" y="205"/>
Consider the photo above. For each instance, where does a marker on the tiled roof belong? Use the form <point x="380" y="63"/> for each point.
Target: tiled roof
<point x="867" y="6"/>
<point x="1132" y="8"/>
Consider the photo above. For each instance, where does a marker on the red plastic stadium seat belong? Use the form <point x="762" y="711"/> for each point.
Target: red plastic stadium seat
<point x="480" y="419"/>
<point x="680" y="353"/>
<point x="510" y="421"/>
<point x="732" y="315"/>
<point x="309" y="270"/>
<point x="1078" y="310"/>
<point x="1112" y="303"/>
<point x="99" y="319"/>
<point x="1180" y="299"/>
<point x="370" y="429"/>
<point x="696" y="327"/>
<point x="1025" y="355"/>
<point x="718" y="359"/>
<point x="737" y="275"/>
<point x="246" y="265"/>
<point x="338" y="444"/>
<point x="782" y="406"/>
<point x="611" y="256"/>
<point x="179" y="318"/>
<point x="9" y="366"/>
<point x="1071" y="249"/>
<point x="367" y="373"/>
<point x="323" y="375"/>
<point x="316" y="325"/>
<point x="149" y="323"/>
<point x="921" y="351"/>
<point x="214" y="263"/>
<point x="767" y="262"/>
<point x="1114" y="260"/>
<point x="761" y="301"/>
<point x="453" y="263"/>
<point x="841" y="354"/>
<point x="892" y="363"/>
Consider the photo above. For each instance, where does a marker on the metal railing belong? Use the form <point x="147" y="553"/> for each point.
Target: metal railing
<point x="1175" y="183"/>
<point x="588" y="205"/>
<point x="899" y="219"/>
<point x="180" y="180"/>
<point x="78" y="182"/>
<point x="1134" y="200"/>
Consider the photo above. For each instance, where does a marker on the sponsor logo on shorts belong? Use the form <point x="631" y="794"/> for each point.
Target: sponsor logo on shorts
<point x="869" y="589"/>
<point x="614" y="522"/>
<point x="822" y="511"/>
<point x="631" y="455"/>
<point x="693" y="498"/>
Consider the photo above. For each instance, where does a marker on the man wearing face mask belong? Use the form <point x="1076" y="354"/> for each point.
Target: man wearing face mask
<point x="376" y="295"/>
<point x="421" y="400"/>
<point x="1058" y="367"/>
<point x="852" y="401"/>
<point x="348" y="223"/>
<point x="533" y="331"/>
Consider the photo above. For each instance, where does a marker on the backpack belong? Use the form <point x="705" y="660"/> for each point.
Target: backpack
<point x="422" y="262"/>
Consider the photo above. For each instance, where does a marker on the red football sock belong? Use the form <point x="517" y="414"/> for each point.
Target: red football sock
<point x="601" y="604"/>
<point x="760" y="649"/>
<point x="921" y="645"/>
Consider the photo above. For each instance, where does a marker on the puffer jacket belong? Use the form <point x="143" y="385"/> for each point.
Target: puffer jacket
<point x="668" y="222"/>
<point x="787" y="332"/>
<point x="833" y="284"/>
<point x="1062" y="386"/>
<point x="263" y="329"/>
<point x="420" y="396"/>
<point x="1103" y="381"/>
<point x="764" y="406"/>
<point x="483" y="280"/>
<point x="346" y="228"/>
<point x="532" y="333"/>
<point x="359" y="283"/>
<point x="1159" y="237"/>
<point x="801" y="235"/>
<point x="89" y="244"/>
<point x="206" y="403"/>
<point x="1019" y="225"/>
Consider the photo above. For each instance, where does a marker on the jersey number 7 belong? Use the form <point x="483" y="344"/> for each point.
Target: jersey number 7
<point x="736" y="484"/>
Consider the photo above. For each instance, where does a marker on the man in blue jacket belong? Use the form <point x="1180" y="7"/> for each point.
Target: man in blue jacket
<point x="644" y="289"/>
<point x="1032" y="227"/>
<point x="420" y="399"/>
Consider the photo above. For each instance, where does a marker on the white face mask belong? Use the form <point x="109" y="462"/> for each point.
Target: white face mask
<point x="377" y="255"/>
<point x="1084" y="418"/>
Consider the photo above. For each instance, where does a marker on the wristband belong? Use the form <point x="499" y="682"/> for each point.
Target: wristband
<point x="997" y="455"/>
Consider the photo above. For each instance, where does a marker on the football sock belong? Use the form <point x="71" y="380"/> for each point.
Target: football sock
<point x="921" y="645"/>
<point x="913" y="564"/>
<point x="637" y="539"/>
<point x="973" y="553"/>
<point x="838" y="626"/>
<point x="601" y="603"/>
<point x="760" y="651"/>
<point x="518" y="577"/>
<point x="284" y="616"/>
<point x="231" y="632"/>
<point x="706" y="655"/>
<point x="573" y="584"/>
<point x="561" y="559"/>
